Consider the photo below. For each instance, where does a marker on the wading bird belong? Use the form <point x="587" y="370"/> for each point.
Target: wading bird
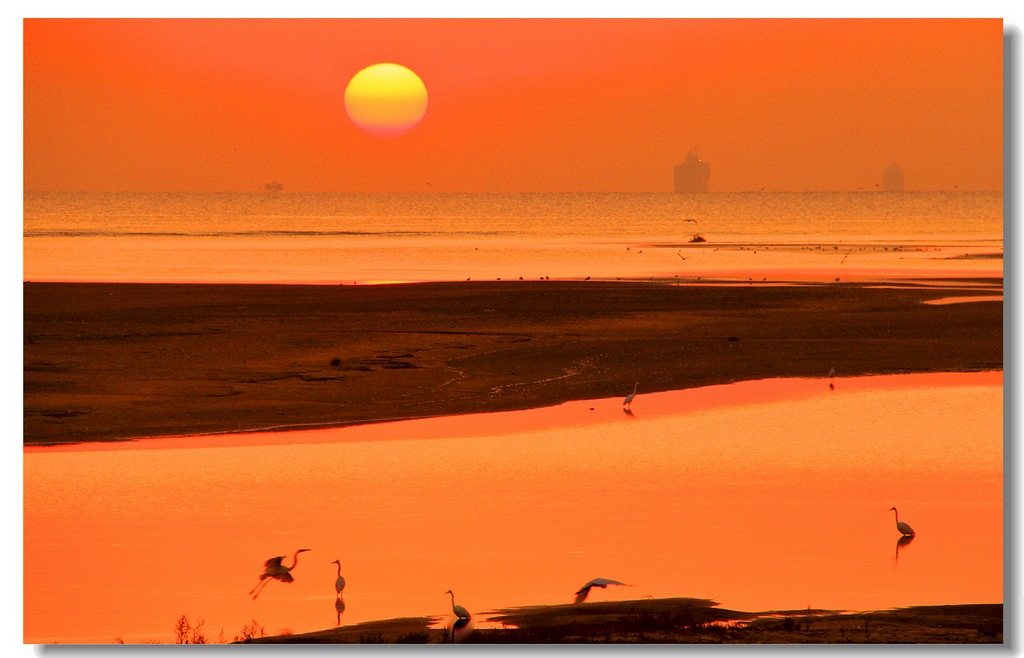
<point x="831" y="376"/>
<point x="273" y="568"/>
<point x="581" y="594"/>
<point x="339" y="584"/>
<point x="902" y="526"/>
<point x="459" y="611"/>
<point x="629" y="398"/>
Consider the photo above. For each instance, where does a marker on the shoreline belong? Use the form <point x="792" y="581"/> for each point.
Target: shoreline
<point x="110" y="362"/>
<point x="678" y="621"/>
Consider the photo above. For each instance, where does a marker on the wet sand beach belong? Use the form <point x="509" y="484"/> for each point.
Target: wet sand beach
<point x="107" y="362"/>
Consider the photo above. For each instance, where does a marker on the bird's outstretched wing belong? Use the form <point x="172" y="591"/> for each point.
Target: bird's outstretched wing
<point x="273" y="562"/>
<point x="581" y="593"/>
<point x="285" y="578"/>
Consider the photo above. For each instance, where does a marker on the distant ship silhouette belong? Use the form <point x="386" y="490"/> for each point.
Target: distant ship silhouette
<point x="694" y="175"/>
<point x="273" y="186"/>
<point x="892" y="178"/>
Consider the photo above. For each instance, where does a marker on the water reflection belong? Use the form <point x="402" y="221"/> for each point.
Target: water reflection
<point x="901" y="543"/>
<point x="339" y="588"/>
<point x="558" y="494"/>
<point x="458" y="629"/>
<point x="458" y="625"/>
<point x="339" y="607"/>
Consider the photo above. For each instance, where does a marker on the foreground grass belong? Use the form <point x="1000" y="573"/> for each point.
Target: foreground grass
<point x="684" y="621"/>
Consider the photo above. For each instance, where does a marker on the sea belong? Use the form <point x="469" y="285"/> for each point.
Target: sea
<point x="760" y="496"/>
<point x="346" y="239"/>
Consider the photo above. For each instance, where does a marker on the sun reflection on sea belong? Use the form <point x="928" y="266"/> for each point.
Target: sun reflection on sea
<point x="760" y="495"/>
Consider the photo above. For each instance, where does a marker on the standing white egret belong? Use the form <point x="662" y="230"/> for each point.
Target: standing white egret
<point x="339" y="584"/>
<point x="629" y="398"/>
<point x="581" y="594"/>
<point x="902" y="526"/>
<point x="459" y="611"/>
<point x="273" y="569"/>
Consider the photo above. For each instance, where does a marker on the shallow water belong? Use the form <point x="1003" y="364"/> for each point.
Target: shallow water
<point x="359" y="238"/>
<point x="758" y="495"/>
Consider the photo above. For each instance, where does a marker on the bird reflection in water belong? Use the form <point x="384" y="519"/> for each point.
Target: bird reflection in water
<point x="901" y="543"/>
<point x="457" y="627"/>
<point x="339" y="588"/>
<point x="339" y="607"/>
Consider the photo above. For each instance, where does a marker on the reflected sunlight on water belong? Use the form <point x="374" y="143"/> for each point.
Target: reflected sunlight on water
<point x="758" y="495"/>
<point x="346" y="238"/>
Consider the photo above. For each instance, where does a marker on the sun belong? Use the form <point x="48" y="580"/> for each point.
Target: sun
<point x="386" y="99"/>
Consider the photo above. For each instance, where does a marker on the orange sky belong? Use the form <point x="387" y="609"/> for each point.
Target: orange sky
<point x="516" y="105"/>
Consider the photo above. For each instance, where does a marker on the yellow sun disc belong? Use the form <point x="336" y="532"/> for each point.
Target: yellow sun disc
<point x="386" y="99"/>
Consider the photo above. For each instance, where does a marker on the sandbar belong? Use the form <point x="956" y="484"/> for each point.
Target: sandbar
<point x="119" y="361"/>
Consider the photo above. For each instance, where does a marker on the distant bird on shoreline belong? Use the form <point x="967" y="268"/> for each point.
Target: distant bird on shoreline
<point x="831" y="376"/>
<point x="629" y="398"/>
<point x="581" y="593"/>
<point x="273" y="569"/>
<point x="903" y="527"/>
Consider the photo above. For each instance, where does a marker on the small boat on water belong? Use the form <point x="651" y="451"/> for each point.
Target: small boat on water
<point x="273" y="186"/>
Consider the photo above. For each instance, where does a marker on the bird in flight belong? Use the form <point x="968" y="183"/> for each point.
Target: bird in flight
<point x="273" y="569"/>
<point x="581" y="593"/>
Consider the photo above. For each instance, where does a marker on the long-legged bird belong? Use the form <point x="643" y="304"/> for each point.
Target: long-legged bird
<point x="902" y="526"/>
<point x="274" y="569"/>
<point x="629" y="398"/>
<point x="339" y="583"/>
<point x="459" y="611"/>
